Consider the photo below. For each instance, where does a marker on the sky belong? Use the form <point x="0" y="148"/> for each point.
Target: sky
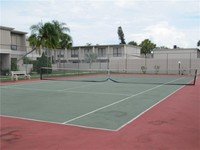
<point x="164" y="22"/>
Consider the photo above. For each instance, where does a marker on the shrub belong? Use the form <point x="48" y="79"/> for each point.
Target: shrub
<point x="156" y="67"/>
<point x="14" y="64"/>
<point x="43" y="61"/>
<point x="5" y="72"/>
<point x="27" y="60"/>
<point x="144" y="69"/>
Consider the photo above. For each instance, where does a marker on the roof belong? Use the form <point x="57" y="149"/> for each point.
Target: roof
<point x="12" y="30"/>
<point x="6" y="28"/>
<point x="18" y="32"/>
<point x="109" y="45"/>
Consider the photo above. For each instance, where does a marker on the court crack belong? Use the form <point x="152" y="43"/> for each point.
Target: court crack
<point x="9" y="134"/>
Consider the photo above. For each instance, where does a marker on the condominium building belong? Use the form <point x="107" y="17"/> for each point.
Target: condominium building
<point x="12" y="47"/>
<point x="103" y="53"/>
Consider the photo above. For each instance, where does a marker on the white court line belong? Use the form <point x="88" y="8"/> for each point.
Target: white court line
<point x="80" y="86"/>
<point x="76" y="87"/>
<point x="66" y="91"/>
<point x="99" y="93"/>
<point x="122" y="100"/>
<point x="147" y="109"/>
<point x="25" y="83"/>
<point x="29" y="89"/>
<point x="58" y="123"/>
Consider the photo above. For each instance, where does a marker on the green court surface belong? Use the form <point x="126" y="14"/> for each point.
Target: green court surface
<point x="100" y="105"/>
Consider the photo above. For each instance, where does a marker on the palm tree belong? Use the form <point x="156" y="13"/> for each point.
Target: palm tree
<point x="65" y="40"/>
<point x="198" y="43"/>
<point x="44" y="35"/>
<point x="50" y="35"/>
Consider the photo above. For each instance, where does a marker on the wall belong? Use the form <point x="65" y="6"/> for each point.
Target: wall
<point x="134" y="65"/>
<point x="5" y="39"/>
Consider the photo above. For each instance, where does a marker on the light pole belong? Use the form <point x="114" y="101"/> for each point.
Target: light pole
<point x="179" y="67"/>
<point x="152" y="54"/>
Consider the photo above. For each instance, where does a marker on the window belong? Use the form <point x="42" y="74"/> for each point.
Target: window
<point x="74" y="53"/>
<point x="61" y="56"/>
<point x="13" y="47"/>
<point x="117" y="52"/>
<point x="61" y="53"/>
<point x="101" y="52"/>
<point x="87" y="50"/>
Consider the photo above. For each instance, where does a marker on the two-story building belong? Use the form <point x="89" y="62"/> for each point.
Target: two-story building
<point x="103" y="52"/>
<point x="12" y="47"/>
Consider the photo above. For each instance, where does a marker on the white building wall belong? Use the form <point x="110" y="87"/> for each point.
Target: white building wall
<point x="5" y="39"/>
<point x="175" y="53"/>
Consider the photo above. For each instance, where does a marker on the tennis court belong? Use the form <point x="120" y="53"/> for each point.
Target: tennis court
<point x="100" y="105"/>
<point x="98" y="111"/>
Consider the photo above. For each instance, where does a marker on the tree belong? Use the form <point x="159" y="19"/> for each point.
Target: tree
<point x="44" y="36"/>
<point x="198" y="43"/>
<point x="50" y="35"/>
<point x="121" y="35"/>
<point x="43" y="62"/>
<point x="147" y="46"/>
<point x="65" y="40"/>
<point x="90" y="58"/>
<point x="133" y="43"/>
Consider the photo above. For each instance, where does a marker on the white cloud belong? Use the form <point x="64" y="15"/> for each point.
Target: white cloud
<point x="164" y="34"/>
<point x="124" y="3"/>
<point x="96" y="21"/>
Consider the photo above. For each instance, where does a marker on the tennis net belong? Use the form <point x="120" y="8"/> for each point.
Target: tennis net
<point x="171" y="77"/>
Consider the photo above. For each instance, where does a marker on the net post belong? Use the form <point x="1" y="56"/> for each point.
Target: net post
<point x="195" y="76"/>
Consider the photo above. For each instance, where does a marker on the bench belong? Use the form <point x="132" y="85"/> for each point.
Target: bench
<point x="15" y="74"/>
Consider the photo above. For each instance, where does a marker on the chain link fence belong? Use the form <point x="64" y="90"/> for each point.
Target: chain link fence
<point x="164" y="62"/>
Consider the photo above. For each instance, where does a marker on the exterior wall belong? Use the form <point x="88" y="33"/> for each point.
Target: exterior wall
<point x="5" y="61"/>
<point x="175" y="53"/>
<point x="35" y="54"/>
<point x="5" y="39"/>
<point x="133" y="51"/>
<point x="132" y="61"/>
<point x="18" y="41"/>
<point x="12" y="45"/>
<point x="168" y="58"/>
<point x="110" y="52"/>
